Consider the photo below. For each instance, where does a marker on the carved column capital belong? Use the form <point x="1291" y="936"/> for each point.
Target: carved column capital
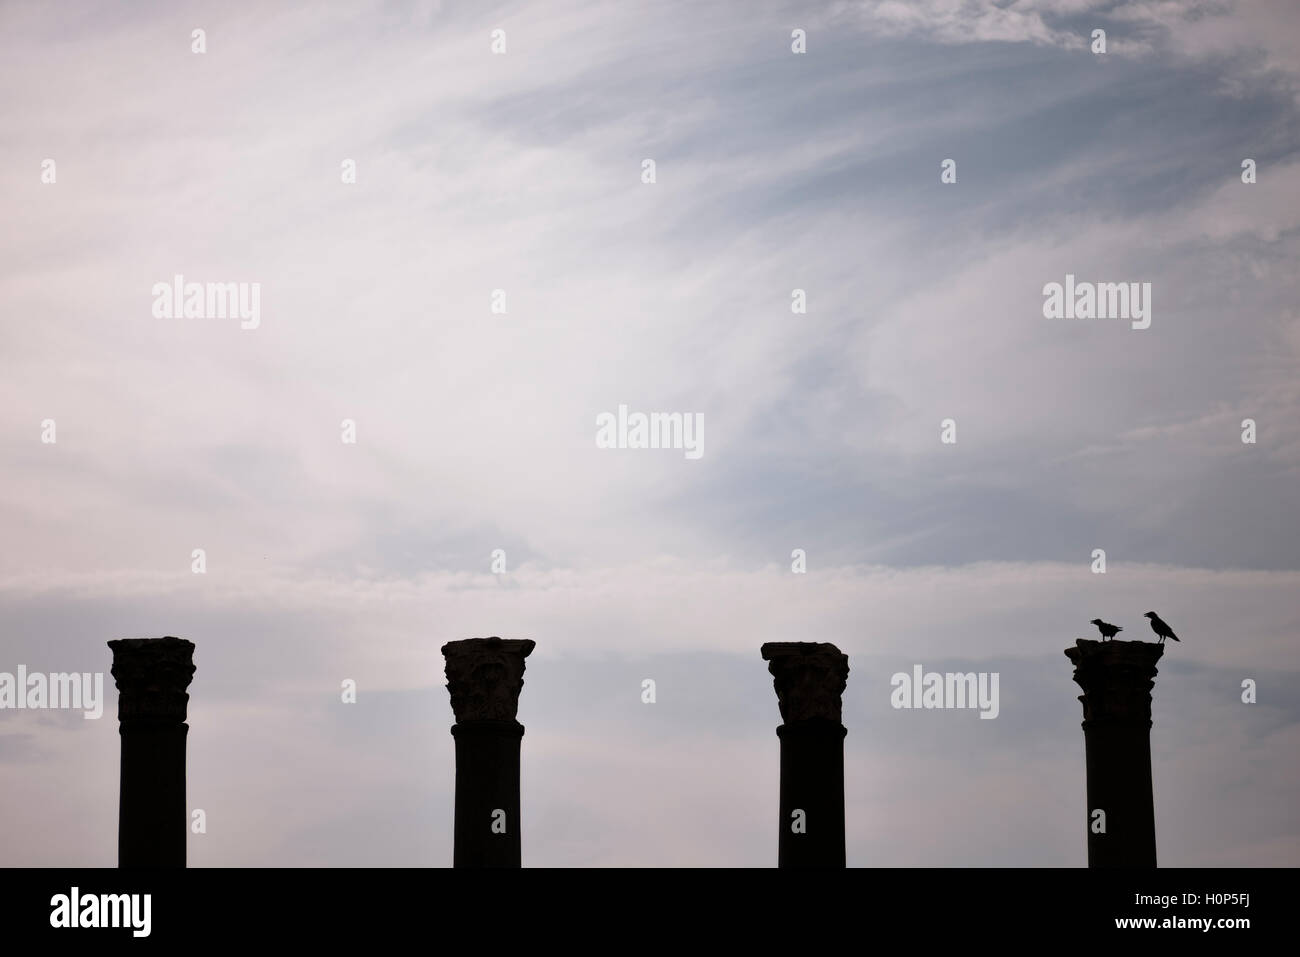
<point x="809" y="678"/>
<point x="1116" y="678"/>
<point x="485" y="677"/>
<point x="152" y="675"/>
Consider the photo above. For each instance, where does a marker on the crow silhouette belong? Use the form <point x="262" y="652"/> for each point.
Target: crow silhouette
<point x="1159" y="627"/>
<point x="1107" y="630"/>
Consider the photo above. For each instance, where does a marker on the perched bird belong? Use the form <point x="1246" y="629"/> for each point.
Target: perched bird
<point x="1159" y="627"/>
<point x="1107" y="630"/>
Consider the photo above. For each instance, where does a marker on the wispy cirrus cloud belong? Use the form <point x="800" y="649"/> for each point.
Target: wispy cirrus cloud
<point x="475" y="431"/>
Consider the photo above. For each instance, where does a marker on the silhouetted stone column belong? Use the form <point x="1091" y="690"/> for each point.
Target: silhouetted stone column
<point x="809" y="678"/>
<point x="484" y="678"/>
<point x="1117" y="678"/>
<point x="153" y="821"/>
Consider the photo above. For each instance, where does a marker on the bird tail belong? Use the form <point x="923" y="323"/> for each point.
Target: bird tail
<point x="1173" y="636"/>
<point x="1119" y="627"/>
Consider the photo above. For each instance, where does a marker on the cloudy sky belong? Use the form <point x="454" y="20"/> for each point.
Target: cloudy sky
<point x="475" y="430"/>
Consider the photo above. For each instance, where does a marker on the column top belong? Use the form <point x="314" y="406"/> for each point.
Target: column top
<point x="485" y="677"/>
<point x="1116" y="678"/>
<point x="152" y="675"/>
<point x="1115" y="650"/>
<point x="809" y="678"/>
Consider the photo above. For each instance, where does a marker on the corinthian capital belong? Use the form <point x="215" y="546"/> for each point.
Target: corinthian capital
<point x="1116" y="678"/>
<point x="809" y="678"/>
<point x="485" y="677"/>
<point x="152" y="675"/>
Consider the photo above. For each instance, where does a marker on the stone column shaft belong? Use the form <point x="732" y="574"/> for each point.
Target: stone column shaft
<point x="153" y="819"/>
<point x="810" y="678"/>
<point x="484" y="678"/>
<point x="1117" y="678"/>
